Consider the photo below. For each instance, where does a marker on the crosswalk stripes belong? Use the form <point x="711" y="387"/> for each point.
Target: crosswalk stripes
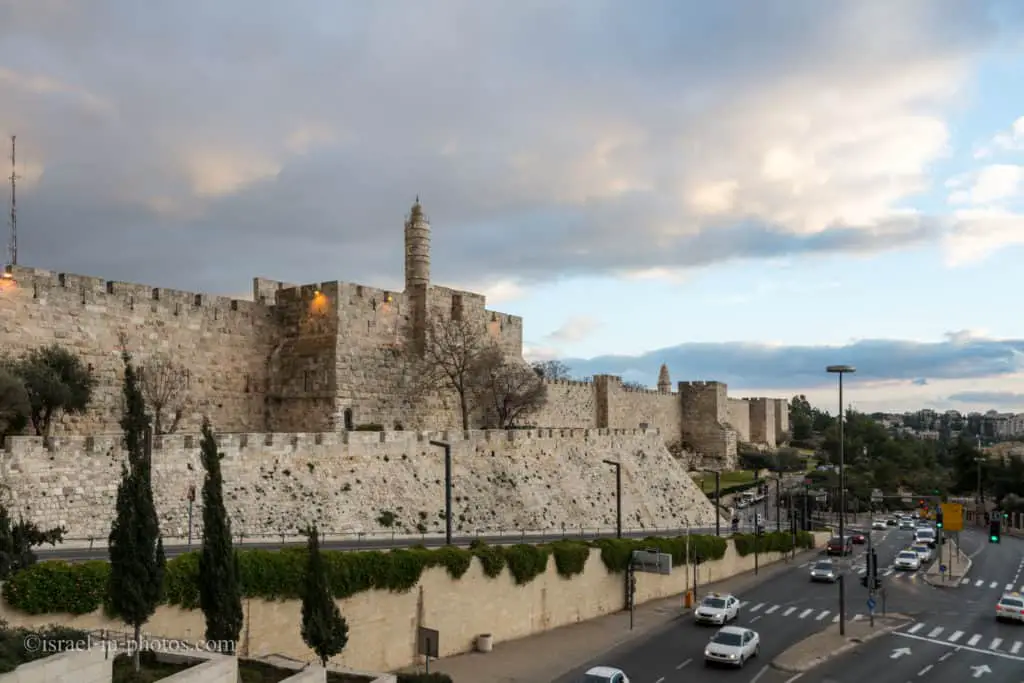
<point x="974" y="641"/>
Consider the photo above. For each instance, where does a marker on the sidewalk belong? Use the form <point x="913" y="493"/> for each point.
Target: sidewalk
<point x="955" y="570"/>
<point x="547" y="656"/>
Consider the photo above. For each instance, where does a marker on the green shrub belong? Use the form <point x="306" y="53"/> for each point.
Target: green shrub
<point x="526" y="562"/>
<point x="617" y="553"/>
<point x="774" y="542"/>
<point x="570" y="557"/>
<point x="56" y="586"/>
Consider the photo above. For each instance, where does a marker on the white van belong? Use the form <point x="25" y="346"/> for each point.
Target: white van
<point x="925" y="536"/>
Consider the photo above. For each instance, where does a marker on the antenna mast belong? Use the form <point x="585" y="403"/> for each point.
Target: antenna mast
<point x="12" y="246"/>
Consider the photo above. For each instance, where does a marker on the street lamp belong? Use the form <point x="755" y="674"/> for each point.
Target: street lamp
<point x="618" y="495"/>
<point x="841" y="370"/>
<point x="447" y="489"/>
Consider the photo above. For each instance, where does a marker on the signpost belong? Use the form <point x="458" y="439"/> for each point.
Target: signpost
<point x="426" y="644"/>
<point x="649" y="561"/>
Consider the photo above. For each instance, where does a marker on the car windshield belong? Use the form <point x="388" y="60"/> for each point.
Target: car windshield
<point x="728" y="638"/>
<point x="823" y="566"/>
<point x="924" y="533"/>
<point x="717" y="603"/>
<point x="907" y="555"/>
<point x="593" y="678"/>
<point x="835" y="541"/>
<point x="1011" y="602"/>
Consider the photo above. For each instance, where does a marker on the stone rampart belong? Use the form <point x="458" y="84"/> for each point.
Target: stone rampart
<point x="739" y="417"/>
<point x="367" y="482"/>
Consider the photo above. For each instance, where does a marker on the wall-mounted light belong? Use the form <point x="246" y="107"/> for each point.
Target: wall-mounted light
<point x="8" y="273"/>
<point x="387" y="298"/>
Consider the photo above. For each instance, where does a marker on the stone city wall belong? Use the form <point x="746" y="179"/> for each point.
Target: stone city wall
<point x="347" y="482"/>
<point x="739" y="418"/>
<point x="382" y="625"/>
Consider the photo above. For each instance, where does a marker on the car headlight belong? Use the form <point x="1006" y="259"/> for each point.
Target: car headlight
<point x="732" y="656"/>
<point x="707" y="653"/>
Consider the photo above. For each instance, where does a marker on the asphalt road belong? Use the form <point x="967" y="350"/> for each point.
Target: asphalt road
<point x="784" y="609"/>
<point x="954" y="637"/>
<point x="100" y="553"/>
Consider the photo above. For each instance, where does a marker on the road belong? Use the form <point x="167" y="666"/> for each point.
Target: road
<point x="954" y="637"/>
<point x="784" y="609"/>
<point x="100" y="553"/>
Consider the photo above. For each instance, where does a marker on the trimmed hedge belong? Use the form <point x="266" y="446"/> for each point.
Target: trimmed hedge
<point x="59" y="587"/>
<point x="774" y="542"/>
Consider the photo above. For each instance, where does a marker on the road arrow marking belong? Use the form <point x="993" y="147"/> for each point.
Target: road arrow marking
<point x="896" y="654"/>
<point x="980" y="671"/>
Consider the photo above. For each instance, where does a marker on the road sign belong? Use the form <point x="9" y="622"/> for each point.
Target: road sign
<point x="877" y="496"/>
<point x="871" y="604"/>
<point x="652" y="562"/>
<point x="952" y="516"/>
<point x="427" y="641"/>
<point x="942" y="569"/>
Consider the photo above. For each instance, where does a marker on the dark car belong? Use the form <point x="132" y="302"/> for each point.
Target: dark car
<point x="839" y="546"/>
<point x="858" y="539"/>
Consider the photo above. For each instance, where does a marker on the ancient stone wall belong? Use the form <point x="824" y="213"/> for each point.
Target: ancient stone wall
<point x="570" y="404"/>
<point x="349" y="482"/>
<point x="781" y="417"/>
<point x="762" y="421"/>
<point x="705" y="413"/>
<point x="630" y="408"/>
<point x="739" y="418"/>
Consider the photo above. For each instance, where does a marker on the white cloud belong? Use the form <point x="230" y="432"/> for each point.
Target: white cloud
<point x="991" y="184"/>
<point x="574" y="330"/>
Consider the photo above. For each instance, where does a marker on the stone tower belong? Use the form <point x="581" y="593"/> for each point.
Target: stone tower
<point x="664" y="382"/>
<point x="417" y="273"/>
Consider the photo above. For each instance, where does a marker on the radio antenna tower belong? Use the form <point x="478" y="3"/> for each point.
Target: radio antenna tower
<point x="12" y="245"/>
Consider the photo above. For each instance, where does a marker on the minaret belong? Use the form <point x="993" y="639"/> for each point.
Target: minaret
<point x="417" y="273"/>
<point x="664" y="383"/>
<point x="417" y="248"/>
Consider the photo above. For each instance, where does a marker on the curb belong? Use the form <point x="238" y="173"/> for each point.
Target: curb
<point x="950" y="584"/>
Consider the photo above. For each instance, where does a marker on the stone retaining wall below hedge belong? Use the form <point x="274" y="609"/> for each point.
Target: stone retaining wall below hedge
<point x="382" y="625"/>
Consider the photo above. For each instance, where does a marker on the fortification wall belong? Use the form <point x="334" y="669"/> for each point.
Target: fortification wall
<point x="570" y="404"/>
<point x="762" y="421"/>
<point x="705" y="410"/>
<point x="226" y="341"/>
<point x="630" y="408"/>
<point x="781" y="417"/>
<point x="739" y="418"/>
<point x="274" y="483"/>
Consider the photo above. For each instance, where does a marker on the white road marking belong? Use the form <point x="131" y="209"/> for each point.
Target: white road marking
<point x="957" y="635"/>
<point x="915" y="628"/>
<point x="965" y="581"/>
<point x="755" y="618"/>
<point x="996" y="642"/>
<point x="925" y="670"/>
<point x="824" y="613"/>
<point x="660" y="680"/>
<point x="1008" y="587"/>
<point x="760" y="673"/>
<point x="805" y="613"/>
<point x="991" y="653"/>
<point x="934" y="633"/>
<point x="1016" y="648"/>
<point x="680" y="666"/>
<point x="789" y="611"/>
<point x="947" y="655"/>
<point x="993" y="585"/>
<point x="771" y="609"/>
<point x="857" y="617"/>
<point x="757" y="607"/>
<point x="978" y="583"/>
<point x="741" y="605"/>
<point x="974" y="640"/>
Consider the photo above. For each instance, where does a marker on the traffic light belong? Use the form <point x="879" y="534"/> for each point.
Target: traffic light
<point x="994" y="531"/>
<point x="938" y="518"/>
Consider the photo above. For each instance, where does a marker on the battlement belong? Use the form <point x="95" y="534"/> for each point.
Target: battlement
<point x="701" y="384"/>
<point x="110" y="444"/>
<point x="569" y="383"/>
<point x="85" y="290"/>
<point x="644" y="390"/>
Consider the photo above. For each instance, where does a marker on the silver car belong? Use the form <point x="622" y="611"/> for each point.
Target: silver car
<point x="732" y="645"/>
<point x="824" y="571"/>
<point x="923" y="551"/>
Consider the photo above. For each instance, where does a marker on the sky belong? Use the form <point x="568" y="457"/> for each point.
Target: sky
<point x="744" y="191"/>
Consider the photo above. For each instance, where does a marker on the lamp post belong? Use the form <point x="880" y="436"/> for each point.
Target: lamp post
<point x="841" y="370"/>
<point x="447" y="489"/>
<point x="618" y="495"/>
<point x="191" y="501"/>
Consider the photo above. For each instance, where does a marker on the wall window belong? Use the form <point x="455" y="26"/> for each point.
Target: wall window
<point x="348" y="419"/>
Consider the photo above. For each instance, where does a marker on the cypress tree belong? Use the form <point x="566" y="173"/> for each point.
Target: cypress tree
<point x="135" y="546"/>
<point x="220" y="596"/>
<point x="324" y="630"/>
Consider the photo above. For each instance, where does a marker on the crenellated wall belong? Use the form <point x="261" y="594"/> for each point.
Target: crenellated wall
<point x="274" y="483"/>
<point x="762" y="421"/>
<point x="781" y="417"/>
<point x="739" y="418"/>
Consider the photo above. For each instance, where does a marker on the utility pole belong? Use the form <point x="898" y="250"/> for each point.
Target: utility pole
<point x="778" y="504"/>
<point x="718" y="500"/>
<point x="12" y="245"/>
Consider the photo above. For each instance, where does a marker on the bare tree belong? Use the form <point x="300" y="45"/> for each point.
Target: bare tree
<point x="451" y="354"/>
<point x="164" y="386"/>
<point x="552" y="369"/>
<point x="504" y="389"/>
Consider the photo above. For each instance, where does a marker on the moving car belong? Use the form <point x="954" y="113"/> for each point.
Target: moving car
<point x="925" y="536"/>
<point x="923" y="551"/>
<point x="858" y="538"/>
<point x="732" y="645"/>
<point x="717" y="609"/>
<point x="1010" y="607"/>
<point x="824" y="571"/>
<point x="605" y="674"/>
<point x="907" y="559"/>
<point x="880" y="524"/>
<point x="891" y="521"/>
<point x="907" y="525"/>
<point x="839" y="546"/>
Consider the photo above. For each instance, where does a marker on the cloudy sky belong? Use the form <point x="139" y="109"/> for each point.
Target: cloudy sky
<point x="746" y="191"/>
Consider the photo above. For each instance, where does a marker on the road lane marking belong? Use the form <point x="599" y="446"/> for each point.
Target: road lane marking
<point x="996" y="642"/>
<point x="681" y="665"/>
<point x="805" y="613"/>
<point x="974" y="640"/>
<point x="990" y="653"/>
<point x="789" y="611"/>
<point x="934" y="633"/>
<point x="794" y="678"/>
<point x="757" y="607"/>
<point x="957" y="635"/>
<point x="915" y="628"/>
<point x="947" y="655"/>
<point x="925" y="670"/>
<point x="824" y="613"/>
<point x="741" y="605"/>
<point x="978" y="583"/>
<point x="771" y="609"/>
<point x="993" y="585"/>
<point x="965" y="582"/>
<point x="857" y="617"/>
<point x="760" y="673"/>
<point x="1009" y="587"/>
<point x="660" y="680"/>
<point x="755" y="618"/>
<point x="1016" y="648"/>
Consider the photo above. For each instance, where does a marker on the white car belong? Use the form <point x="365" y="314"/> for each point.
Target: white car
<point x="1010" y="608"/>
<point x="907" y="525"/>
<point x="923" y="551"/>
<point x="926" y="536"/>
<point x="717" y="609"/>
<point x="907" y="559"/>
<point x="605" y="674"/>
<point x="878" y="525"/>
<point x="732" y="645"/>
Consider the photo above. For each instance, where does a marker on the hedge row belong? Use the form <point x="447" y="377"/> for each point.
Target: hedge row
<point x="61" y="587"/>
<point x="774" y="542"/>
